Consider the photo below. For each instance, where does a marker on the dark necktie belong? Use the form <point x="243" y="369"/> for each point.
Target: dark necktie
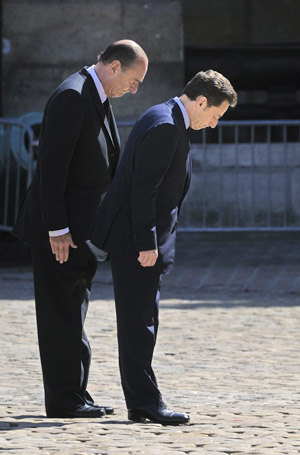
<point x="111" y="151"/>
<point x="107" y="109"/>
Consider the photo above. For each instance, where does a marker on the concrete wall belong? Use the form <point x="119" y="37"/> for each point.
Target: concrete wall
<point x="50" y="39"/>
<point x="236" y="22"/>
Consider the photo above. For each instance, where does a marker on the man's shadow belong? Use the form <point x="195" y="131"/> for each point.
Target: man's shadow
<point x="47" y="423"/>
<point x="24" y="423"/>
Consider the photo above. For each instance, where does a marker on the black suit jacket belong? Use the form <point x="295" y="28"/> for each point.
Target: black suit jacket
<point x="78" y="155"/>
<point x="140" y="210"/>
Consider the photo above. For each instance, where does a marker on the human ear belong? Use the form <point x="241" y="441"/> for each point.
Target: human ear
<point x="115" y="67"/>
<point x="202" y="101"/>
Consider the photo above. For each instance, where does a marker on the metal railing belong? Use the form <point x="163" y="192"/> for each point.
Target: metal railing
<point x="245" y="178"/>
<point x="246" y="175"/>
<point x="15" y="135"/>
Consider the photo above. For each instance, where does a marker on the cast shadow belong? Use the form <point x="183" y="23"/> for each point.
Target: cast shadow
<point x="49" y="423"/>
<point x="24" y="423"/>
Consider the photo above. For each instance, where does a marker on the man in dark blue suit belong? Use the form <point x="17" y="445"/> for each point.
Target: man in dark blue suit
<point x="136" y="224"/>
<point x="78" y="155"/>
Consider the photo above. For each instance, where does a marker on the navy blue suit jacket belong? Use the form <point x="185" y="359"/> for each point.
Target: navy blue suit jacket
<point x="140" y="210"/>
<point x="78" y="154"/>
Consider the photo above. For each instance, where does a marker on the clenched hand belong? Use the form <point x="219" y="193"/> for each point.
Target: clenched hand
<point x="148" y="258"/>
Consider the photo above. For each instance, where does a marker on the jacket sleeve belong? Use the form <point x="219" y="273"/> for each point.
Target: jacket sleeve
<point x="154" y="156"/>
<point x="60" y="132"/>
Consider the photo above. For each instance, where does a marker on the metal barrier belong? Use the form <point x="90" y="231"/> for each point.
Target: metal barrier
<point x="14" y="179"/>
<point x="246" y="176"/>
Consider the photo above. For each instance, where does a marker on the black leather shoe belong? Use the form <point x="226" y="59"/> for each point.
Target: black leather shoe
<point x="90" y="402"/>
<point x="157" y="414"/>
<point x="108" y="409"/>
<point x="84" y="411"/>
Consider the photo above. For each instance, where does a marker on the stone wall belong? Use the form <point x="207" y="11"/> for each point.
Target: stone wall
<point x="237" y="22"/>
<point x="50" y="39"/>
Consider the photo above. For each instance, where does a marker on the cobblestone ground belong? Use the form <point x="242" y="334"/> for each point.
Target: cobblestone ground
<point x="227" y="352"/>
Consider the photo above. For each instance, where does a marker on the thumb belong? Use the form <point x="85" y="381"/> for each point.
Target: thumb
<point x="72" y="244"/>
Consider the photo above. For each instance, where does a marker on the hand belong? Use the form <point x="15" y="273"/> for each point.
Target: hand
<point x="148" y="258"/>
<point x="60" y="246"/>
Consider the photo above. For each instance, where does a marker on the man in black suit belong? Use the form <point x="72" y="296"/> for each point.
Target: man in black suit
<point x="78" y="155"/>
<point x="136" y="224"/>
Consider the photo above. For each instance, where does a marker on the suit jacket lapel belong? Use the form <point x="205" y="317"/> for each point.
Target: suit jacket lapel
<point x="177" y="111"/>
<point x="101" y="111"/>
<point x="99" y="105"/>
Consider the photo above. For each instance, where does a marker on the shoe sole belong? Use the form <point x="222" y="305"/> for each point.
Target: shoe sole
<point x="138" y="418"/>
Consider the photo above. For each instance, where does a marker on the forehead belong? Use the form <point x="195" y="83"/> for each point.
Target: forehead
<point x="137" y="69"/>
<point x="219" y="110"/>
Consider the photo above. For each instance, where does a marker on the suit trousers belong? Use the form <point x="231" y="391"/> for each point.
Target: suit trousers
<point x="62" y="298"/>
<point x="137" y="292"/>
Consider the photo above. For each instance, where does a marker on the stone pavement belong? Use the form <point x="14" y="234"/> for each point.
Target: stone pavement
<point x="227" y="352"/>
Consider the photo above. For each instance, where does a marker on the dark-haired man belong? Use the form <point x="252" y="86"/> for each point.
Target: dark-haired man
<point x="78" y="155"/>
<point x="137" y="224"/>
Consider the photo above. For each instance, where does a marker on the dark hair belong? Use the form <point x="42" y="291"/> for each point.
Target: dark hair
<point x="127" y="54"/>
<point x="213" y="85"/>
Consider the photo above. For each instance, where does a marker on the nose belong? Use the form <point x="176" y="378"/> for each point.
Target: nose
<point x="213" y="123"/>
<point x="133" y="88"/>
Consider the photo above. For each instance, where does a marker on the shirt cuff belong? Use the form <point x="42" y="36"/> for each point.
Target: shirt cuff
<point x="59" y="232"/>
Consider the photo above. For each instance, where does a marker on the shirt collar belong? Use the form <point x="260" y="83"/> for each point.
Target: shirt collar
<point x="184" y="112"/>
<point x="98" y="84"/>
